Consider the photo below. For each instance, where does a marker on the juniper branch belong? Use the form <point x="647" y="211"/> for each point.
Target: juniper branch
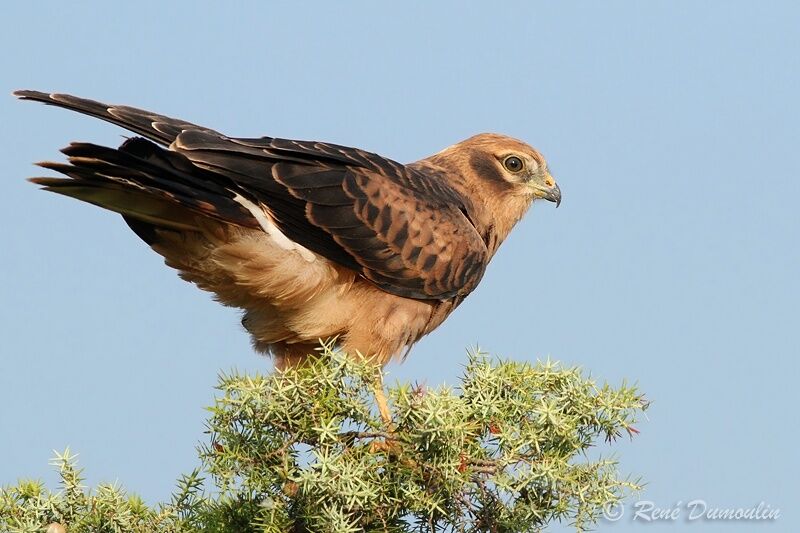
<point x="307" y="450"/>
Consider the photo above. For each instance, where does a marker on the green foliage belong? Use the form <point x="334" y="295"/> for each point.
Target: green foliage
<point x="306" y="450"/>
<point x="28" y="507"/>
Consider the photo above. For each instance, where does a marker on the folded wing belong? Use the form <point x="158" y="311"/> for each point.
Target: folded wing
<point x="405" y="230"/>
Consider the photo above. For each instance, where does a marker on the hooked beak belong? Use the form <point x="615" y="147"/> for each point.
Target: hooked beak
<point x="548" y="190"/>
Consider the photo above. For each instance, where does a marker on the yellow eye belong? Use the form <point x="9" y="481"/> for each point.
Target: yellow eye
<point x="513" y="163"/>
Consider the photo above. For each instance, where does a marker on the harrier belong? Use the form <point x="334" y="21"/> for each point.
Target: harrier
<point x="311" y="240"/>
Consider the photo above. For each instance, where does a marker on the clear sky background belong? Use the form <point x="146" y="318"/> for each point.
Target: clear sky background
<point x="672" y="128"/>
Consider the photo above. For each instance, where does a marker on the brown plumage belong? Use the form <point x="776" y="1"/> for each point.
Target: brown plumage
<point x="312" y="240"/>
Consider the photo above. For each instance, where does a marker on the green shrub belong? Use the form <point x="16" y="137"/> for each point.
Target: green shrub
<point x="307" y="450"/>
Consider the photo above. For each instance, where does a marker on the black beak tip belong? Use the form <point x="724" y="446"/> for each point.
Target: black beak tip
<point x="555" y="195"/>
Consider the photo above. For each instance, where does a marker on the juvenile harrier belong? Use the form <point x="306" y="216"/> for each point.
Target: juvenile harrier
<point x="312" y="240"/>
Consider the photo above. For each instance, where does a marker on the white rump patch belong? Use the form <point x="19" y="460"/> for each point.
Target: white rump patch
<point x="272" y="230"/>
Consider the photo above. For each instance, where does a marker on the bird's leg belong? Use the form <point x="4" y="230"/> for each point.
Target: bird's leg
<point x="377" y="387"/>
<point x="388" y="444"/>
<point x="380" y="399"/>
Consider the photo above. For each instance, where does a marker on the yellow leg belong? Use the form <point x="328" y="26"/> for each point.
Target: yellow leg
<point x="383" y="404"/>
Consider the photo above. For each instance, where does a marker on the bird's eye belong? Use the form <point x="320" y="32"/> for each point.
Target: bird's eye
<point x="513" y="163"/>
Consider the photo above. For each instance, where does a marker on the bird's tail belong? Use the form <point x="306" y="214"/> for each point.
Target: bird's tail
<point x="151" y="187"/>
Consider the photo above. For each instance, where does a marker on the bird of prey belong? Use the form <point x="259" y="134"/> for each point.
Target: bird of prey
<point x="311" y="240"/>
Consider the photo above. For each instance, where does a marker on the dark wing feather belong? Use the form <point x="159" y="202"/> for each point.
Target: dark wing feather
<point x="402" y="228"/>
<point x="145" y="182"/>
<point x="157" y="128"/>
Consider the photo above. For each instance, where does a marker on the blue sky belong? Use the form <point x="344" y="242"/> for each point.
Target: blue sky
<point x="671" y="127"/>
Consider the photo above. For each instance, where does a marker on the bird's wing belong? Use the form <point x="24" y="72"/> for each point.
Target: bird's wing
<point x="157" y="128"/>
<point x="405" y="230"/>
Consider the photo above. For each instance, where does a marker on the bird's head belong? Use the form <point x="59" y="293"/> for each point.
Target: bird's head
<point x="513" y="163"/>
<point x="499" y="176"/>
